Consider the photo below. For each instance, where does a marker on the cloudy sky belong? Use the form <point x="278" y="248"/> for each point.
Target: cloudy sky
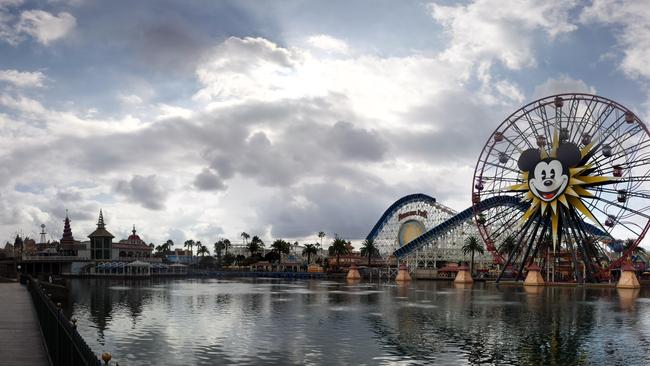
<point x="203" y="119"/>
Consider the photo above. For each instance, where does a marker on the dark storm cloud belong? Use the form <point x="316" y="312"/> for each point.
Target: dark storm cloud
<point x="355" y="143"/>
<point x="297" y="151"/>
<point x="170" y="36"/>
<point x="143" y="190"/>
<point x="208" y="181"/>
<point x="169" y="45"/>
<point x="68" y="195"/>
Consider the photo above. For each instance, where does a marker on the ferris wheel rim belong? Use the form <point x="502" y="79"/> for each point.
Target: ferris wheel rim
<point x="510" y="120"/>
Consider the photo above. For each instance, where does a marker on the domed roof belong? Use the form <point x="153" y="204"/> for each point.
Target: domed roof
<point x="134" y="236"/>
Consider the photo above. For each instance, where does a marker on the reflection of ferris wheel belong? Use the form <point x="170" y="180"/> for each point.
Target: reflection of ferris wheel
<point x="574" y="169"/>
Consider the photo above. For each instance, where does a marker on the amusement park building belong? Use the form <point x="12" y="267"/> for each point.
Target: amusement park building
<point x="75" y="257"/>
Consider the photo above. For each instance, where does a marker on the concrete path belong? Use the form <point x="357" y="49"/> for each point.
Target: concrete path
<point x="21" y="342"/>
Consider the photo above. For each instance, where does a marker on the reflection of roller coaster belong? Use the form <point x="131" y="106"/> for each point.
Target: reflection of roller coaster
<point x="445" y="232"/>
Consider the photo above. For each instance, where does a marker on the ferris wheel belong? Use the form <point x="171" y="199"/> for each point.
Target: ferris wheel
<point x="573" y="171"/>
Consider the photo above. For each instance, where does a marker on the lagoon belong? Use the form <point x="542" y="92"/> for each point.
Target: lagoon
<point x="319" y="322"/>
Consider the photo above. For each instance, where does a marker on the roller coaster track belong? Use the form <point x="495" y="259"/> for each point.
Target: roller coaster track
<point x="416" y="197"/>
<point x="465" y="215"/>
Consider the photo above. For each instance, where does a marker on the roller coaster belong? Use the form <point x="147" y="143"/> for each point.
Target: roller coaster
<point x="442" y="241"/>
<point x="564" y="174"/>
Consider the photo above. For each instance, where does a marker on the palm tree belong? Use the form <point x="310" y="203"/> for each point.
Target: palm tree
<point x="369" y="249"/>
<point x="202" y="250"/>
<point x="507" y="245"/>
<point x="281" y="247"/>
<point x="472" y="245"/>
<point x="226" y="245"/>
<point x="321" y="235"/>
<point x="189" y="244"/>
<point x="168" y="245"/>
<point x="339" y="247"/>
<point x="244" y="237"/>
<point x="309" y="249"/>
<point x="255" y="245"/>
<point x="219" y="246"/>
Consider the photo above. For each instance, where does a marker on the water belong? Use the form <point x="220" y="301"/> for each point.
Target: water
<point x="315" y="322"/>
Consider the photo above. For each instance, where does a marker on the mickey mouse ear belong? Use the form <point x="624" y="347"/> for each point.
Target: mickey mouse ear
<point x="528" y="159"/>
<point x="569" y="154"/>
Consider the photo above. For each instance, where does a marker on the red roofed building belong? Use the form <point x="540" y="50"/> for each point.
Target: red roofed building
<point x="131" y="248"/>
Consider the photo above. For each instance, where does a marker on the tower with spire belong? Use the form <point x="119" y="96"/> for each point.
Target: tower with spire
<point x="101" y="241"/>
<point x="67" y="240"/>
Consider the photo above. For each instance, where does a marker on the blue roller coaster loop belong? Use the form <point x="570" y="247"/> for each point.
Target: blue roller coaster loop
<point x="465" y="215"/>
<point x="416" y="197"/>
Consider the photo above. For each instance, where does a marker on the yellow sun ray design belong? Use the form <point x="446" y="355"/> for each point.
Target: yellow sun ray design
<point x="577" y="184"/>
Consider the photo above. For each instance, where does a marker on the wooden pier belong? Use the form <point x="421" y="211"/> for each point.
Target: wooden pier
<point x="21" y="343"/>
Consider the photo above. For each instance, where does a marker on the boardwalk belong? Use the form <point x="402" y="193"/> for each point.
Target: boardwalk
<point x="20" y="335"/>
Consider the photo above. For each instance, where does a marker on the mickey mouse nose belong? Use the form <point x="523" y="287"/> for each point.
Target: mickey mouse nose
<point x="548" y="182"/>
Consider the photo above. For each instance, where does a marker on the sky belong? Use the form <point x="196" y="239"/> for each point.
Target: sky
<point x="202" y="119"/>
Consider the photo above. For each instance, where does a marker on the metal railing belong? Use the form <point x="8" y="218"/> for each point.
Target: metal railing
<point x="64" y="344"/>
<point x="45" y="258"/>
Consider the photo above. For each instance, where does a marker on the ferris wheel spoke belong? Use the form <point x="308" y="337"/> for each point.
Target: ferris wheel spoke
<point x="623" y="207"/>
<point x="618" y="222"/>
<point x="501" y="167"/>
<point x="531" y="243"/>
<point x="513" y="253"/>
<point x="529" y="119"/>
<point x="586" y="116"/>
<point x="581" y="245"/>
<point x="580" y="225"/>
<point x="597" y="146"/>
<point x="623" y="152"/>
<point x="627" y="194"/>
<point x="635" y="164"/>
<point x="510" y="223"/>
<point x="520" y="133"/>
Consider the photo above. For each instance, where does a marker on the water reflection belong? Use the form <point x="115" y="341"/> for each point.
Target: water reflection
<point x="205" y="322"/>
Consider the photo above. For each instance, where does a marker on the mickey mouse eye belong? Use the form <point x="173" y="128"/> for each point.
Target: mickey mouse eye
<point x="543" y="174"/>
<point x="552" y="173"/>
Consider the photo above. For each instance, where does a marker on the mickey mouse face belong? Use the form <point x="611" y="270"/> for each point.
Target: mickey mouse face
<point x="548" y="178"/>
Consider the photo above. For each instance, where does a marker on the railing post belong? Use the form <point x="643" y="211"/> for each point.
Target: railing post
<point x="58" y="333"/>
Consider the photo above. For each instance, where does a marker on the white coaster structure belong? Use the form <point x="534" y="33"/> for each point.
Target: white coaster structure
<point x="406" y="222"/>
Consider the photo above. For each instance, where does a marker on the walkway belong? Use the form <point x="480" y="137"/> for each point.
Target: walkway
<point x="20" y="335"/>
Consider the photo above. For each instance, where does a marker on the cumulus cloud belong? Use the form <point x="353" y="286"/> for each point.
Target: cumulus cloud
<point x="631" y="19"/>
<point x="378" y="88"/>
<point x="346" y="121"/>
<point x="7" y="19"/>
<point x="562" y="84"/>
<point x="145" y="190"/>
<point x="9" y="3"/>
<point x="23" y="79"/>
<point x="45" y="27"/>
<point x="503" y="31"/>
<point x="129" y="99"/>
<point x="244" y="67"/>
<point x="328" y="43"/>
<point x="22" y="104"/>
